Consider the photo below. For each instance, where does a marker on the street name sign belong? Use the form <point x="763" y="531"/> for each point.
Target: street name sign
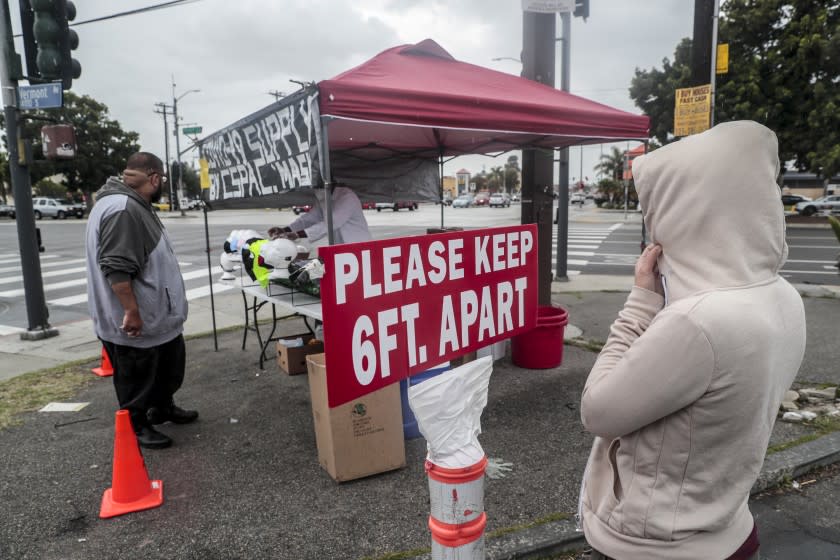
<point x="691" y="110"/>
<point x="41" y="96"/>
<point x="548" y="6"/>
<point x="192" y="130"/>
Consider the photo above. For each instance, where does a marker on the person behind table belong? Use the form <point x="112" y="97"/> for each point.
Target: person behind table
<point x="349" y="222"/>
<point x="684" y="394"/>
<point x="137" y="299"/>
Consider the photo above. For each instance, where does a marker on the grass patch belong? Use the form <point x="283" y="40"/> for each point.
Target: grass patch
<point x="822" y="426"/>
<point x="536" y="523"/>
<point x="401" y="555"/>
<point x="31" y="391"/>
<point x="587" y="344"/>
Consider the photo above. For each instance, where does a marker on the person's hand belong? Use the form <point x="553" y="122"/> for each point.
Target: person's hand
<point x="132" y="323"/>
<point x="275" y="232"/>
<point x="290" y="235"/>
<point x="647" y="270"/>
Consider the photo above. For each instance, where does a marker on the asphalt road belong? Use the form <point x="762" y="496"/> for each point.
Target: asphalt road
<point x="598" y="243"/>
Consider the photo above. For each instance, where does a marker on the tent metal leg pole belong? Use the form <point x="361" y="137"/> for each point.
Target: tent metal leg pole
<point x="210" y="278"/>
<point x="440" y="188"/>
<point x="327" y="175"/>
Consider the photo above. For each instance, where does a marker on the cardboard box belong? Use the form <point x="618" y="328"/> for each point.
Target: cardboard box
<point x="361" y="437"/>
<point x="293" y="360"/>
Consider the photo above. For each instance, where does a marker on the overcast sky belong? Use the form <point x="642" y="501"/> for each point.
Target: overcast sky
<point x="235" y="52"/>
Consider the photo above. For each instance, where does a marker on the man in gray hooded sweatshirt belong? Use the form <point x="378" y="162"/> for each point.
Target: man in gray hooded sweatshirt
<point x="137" y="299"/>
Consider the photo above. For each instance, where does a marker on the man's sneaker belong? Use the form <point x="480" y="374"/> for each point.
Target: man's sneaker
<point x="150" y="438"/>
<point x="174" y="414"/>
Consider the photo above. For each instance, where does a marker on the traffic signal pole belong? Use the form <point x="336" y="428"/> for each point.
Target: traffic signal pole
<point x="36" y="306"/>
<point x="538" y="31"/>
<point x="561" y="272"/>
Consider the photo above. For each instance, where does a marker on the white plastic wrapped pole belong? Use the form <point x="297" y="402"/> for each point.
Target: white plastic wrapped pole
<point x="448" y="410"/>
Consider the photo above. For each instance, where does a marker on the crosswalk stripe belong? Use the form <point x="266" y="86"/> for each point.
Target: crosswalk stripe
<point x="17" y="259"/>
<point x="52" y="273"/>
<point x="81" y="298"/>
<point x="50" y="264"/>
<point x="202" y="291"/>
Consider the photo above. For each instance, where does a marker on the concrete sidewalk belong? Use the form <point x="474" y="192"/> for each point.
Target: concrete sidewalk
<point x="244" y="481"/>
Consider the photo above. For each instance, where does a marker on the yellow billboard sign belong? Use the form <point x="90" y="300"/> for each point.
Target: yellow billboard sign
<point x="691" y="110"/>
<point x="204" y="173"/>
<point x="722" y="59"/>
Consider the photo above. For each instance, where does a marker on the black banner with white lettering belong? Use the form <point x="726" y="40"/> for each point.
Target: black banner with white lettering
<point x="266" y="158"/>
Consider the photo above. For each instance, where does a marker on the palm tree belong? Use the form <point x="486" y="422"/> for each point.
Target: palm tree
<point x="612" y="164"/>
<point x="497" y="178"/>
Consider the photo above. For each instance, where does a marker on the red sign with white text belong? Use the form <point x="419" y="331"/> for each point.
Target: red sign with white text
<point x="396" y="307"/>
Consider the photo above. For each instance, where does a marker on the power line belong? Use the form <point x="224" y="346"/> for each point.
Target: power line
<point x="163" y="6"/>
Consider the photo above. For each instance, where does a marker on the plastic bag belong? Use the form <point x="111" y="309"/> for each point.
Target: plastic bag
<point x="448" y="410"/>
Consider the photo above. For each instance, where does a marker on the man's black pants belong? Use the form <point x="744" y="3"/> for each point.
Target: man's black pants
<point x="147" y="377"/>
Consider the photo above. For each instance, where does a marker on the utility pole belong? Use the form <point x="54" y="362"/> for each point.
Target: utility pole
<point x="538" y="35"/>
<point x="701" y="44"/>
<point x="162" y="111"/>
<point x="278" y="95"/>
<point x="180" y="187"/>
<point x="33" y="284"/>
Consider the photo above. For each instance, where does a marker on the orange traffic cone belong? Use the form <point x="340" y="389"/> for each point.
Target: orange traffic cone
<point x="131" y="488"/>
<point x="106" y="369"/>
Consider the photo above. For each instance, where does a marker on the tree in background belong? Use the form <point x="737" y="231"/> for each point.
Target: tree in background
<point x="45" y="187"/>
<point x="512" y="174"/>
<point x="496" y="179"/>
<point x="192" y="184"/>
<point x="611" y="164"/>
<point x="102" y="145"/>
<point x="784" y="68"/>
<point x="653" y="91"/>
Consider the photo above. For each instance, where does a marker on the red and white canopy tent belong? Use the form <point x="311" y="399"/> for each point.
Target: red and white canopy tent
<point x="387" y="121"/>
<point x="418" y="101"/>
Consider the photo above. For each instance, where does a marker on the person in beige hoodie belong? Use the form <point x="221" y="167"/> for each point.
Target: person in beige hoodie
<point x="683" y="396"/>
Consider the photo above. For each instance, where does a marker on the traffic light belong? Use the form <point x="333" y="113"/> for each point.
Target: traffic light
<point x="48" y="41"/>
<point x="582" y="9"/>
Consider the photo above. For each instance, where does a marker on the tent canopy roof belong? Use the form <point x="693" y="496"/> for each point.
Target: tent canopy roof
<point x="420" y="101"/>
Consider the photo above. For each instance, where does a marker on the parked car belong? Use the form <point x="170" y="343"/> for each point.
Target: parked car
<point x="396" y="206"/>
<point x="825" y="203"/>
<point x="447" y="200"/>
<point x="514" y="197"/>
<point x="368" y="205"/>
<point x="791" y="199"/>
<point x="481" y="199"/>
<point x="160" y="206"/>
<point x="463" y="201"/>
<point x="499" y="199"/>
<point x="7" y="210"/>
<point x="301" y="208"/>
<point x="577" y="198"/>
<point x="190" y="204"/>
<point x="56" y="208"/>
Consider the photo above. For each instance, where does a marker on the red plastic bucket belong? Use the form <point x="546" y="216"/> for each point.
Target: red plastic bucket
<point x="542" y="347"/>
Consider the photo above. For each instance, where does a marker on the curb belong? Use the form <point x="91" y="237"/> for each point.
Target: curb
<point x="556" y="537"/>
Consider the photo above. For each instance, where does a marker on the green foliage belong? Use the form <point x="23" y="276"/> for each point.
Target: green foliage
<point x="512" y="174"/>
<point x="653" y="90"/>
<point x="192" y="183"/>
<point x="103" y="146"/>
<point x="611" y="164"/>
<point x="45" y="187"/>
<point x="784" y="71"/>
